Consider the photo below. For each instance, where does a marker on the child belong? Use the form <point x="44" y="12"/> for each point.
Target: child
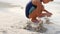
<point x="35" y="8"/>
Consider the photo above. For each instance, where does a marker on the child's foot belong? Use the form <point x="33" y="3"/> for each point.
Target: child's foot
<point x="35" y="21"/>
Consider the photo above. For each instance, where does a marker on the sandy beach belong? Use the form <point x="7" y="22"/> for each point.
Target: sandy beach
<point x="11" y="14"/>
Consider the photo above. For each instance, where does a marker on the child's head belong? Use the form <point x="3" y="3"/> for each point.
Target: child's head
<point x="46" y="1"/>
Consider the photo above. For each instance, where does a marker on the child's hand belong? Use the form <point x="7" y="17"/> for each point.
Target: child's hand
<point x="49" y="14"/>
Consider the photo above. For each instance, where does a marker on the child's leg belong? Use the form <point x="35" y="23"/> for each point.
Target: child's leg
<point x="33" y="18"/>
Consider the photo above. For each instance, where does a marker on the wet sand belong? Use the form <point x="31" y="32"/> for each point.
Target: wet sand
<point x="15" y="16"/>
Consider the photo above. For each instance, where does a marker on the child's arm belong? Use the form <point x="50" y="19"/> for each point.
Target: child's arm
<point x="43" y="9"/>
<point x="47" y="12"/>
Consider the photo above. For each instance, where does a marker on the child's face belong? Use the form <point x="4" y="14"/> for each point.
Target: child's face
<point x="46" y="1"/>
